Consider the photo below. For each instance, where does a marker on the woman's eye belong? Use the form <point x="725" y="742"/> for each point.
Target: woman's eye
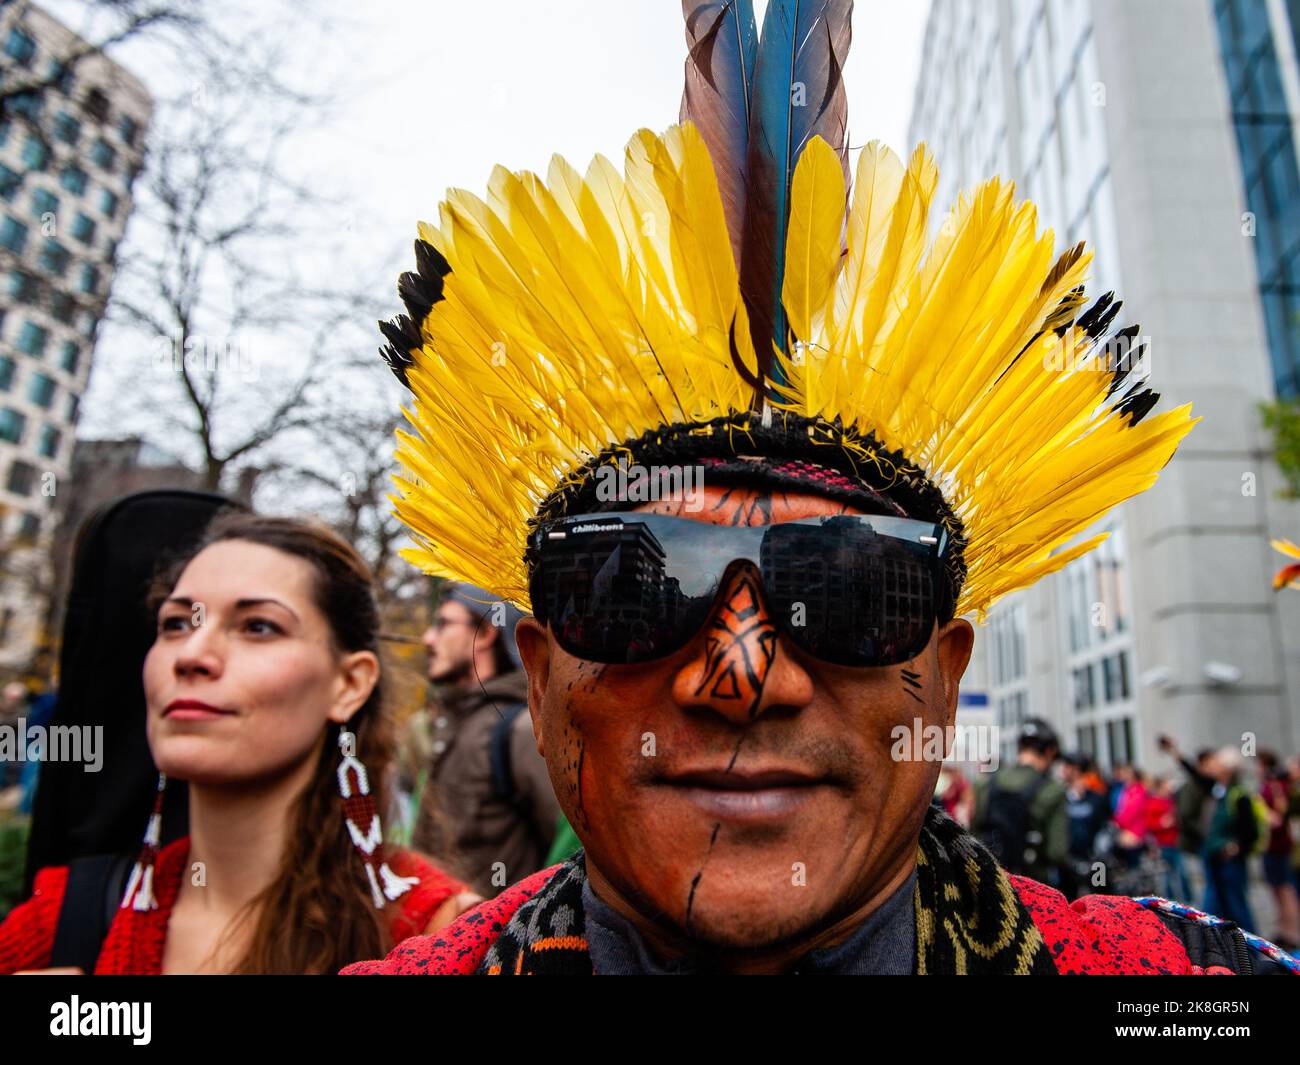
<point x="173" y="623"/>
<point x="262" y="627"/>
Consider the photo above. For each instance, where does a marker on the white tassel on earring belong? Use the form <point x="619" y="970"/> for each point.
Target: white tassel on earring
<point x="359" y="809"/>
<point x="139" y="894"/>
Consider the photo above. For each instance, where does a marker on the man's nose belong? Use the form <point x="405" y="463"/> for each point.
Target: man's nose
<point x="738" y="670"/>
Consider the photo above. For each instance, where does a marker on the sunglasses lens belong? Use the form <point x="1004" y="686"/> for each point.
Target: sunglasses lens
<point x="847" y="595"/>
<point x="608" y="595"/>
<point x="631" y="588"/>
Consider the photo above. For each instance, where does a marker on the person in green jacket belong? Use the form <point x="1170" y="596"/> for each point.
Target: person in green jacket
<point x="1020" y="810"/>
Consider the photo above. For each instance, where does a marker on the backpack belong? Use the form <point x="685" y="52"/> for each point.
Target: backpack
<point x="1263" y="822"/>
<point x="504" y="786"/>
<point x="1008" y="828"/>
<point x="500" y="759"/>
<point x="107" y="631"/>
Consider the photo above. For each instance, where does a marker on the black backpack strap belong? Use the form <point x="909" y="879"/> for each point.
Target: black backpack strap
<point x="499" y="757"/>
<point x="1221" y="944"/>
<point x="90" y="901"/>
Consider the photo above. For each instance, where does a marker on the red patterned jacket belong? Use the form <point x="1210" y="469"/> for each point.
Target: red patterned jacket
<point x="135" y="940"/>
<point x="1095" y="935"/>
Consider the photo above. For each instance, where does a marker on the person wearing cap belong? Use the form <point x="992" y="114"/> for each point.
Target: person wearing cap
<point x="1020" y="810"/>
<point x="487" y="806"/>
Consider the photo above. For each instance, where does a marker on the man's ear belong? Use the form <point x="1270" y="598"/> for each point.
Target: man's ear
<point x="956" y="641"/>
<point x="535" y="653"/>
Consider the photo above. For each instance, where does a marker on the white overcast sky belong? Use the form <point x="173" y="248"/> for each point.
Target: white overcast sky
<point x="432" y="93"/>
<point x="460" y="87"/>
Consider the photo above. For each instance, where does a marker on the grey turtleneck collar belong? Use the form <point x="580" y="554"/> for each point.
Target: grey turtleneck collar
<point x="884" y="944"/>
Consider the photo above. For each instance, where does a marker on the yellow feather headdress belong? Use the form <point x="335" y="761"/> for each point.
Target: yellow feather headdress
<point x="558" y="319"/>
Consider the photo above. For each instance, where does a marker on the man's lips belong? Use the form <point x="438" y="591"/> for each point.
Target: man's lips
<point x="193" y="710"/>
<point x="745" y="795"/>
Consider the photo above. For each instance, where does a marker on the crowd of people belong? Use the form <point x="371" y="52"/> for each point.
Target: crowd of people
<point x="1220" y="819"/>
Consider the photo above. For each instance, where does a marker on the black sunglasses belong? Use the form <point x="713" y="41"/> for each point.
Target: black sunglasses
<point x="855" y="590"/>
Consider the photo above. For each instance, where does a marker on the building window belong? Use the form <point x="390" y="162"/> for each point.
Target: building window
<point x="1115" y="670"/>
<point x="27" y="104"/>
<point x="20" y="46"/>
<point x="70" y="357"/>
<point x="1087" y="739"/>
<point x="66" y="128"/>
<point x="1085" y="688"/>
<point x="7" y="368"/>
<point x="1119" y="736"/>
<point x="12" y="424"/>
<point x="83" y="228"/>
<point x="128" y="129"/>
<point x="40" y="390"/>
<point x="21" y="477"/>
<point x="50" y="439"/>
<point x="74" y="408"/>
<point x="107" y="203"/>
<point x="96" y="104"/>
<point x="29" y="526"/>
<point x="61" y="76"/>
<point x="62" y="307"/>
<point x="88" y="279"/>
<point x="13" y="235"/>
<point x="1009" y="672"/>
<point x="10" y="182"/>
<point x="1266" y="150"/>
<point x="44" y="202"/>
<point x="103" y="156"/>
<point x="22" y="286"/>
<point x="73" y="179"/>
<point x="35" y="154"/>
<point x="32" y="339"/>
<point x="53" y="258"/>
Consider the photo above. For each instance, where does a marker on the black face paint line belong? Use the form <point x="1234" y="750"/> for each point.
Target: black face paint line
<point x="695" y="880"/>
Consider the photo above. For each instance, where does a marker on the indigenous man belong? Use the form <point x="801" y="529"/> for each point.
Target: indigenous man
<point x="888" y="438"/>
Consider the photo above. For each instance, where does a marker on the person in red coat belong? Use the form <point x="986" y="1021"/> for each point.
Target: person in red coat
<point x="263" y="694"/>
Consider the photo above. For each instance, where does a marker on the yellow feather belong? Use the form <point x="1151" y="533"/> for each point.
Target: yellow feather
<point x="812" y="249"/>
<point x="585" y="310"/>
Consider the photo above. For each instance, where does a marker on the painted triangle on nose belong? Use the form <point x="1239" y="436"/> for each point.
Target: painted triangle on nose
<point x="726" y="686"/>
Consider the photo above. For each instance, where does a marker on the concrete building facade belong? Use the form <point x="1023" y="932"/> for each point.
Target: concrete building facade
<point x="1123" y="120"/>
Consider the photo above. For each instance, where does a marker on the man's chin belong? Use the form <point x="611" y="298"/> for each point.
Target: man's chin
<point x="742" y="922"/>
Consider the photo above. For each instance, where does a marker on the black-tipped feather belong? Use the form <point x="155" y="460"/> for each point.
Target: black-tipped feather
<point x="419" y="290"/>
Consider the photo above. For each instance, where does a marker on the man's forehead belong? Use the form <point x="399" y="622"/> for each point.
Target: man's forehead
<point x="739" y="504"/>
<point x="452" y="610"/>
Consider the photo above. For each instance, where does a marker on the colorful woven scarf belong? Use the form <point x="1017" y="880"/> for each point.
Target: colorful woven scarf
<point x="969" y="919"/>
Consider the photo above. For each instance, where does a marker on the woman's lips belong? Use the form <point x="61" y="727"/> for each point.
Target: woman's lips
<point x="193" y="710"/>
